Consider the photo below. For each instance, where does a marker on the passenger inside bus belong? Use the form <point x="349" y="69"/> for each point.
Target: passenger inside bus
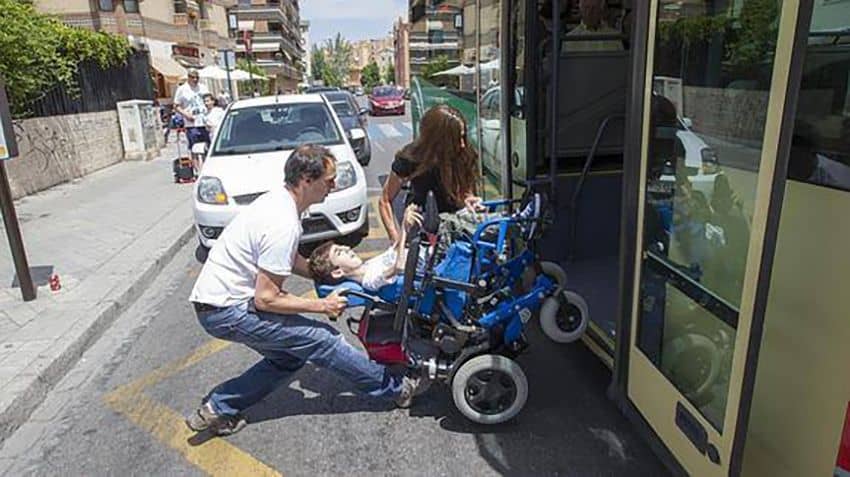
<point x="593" y="22"/>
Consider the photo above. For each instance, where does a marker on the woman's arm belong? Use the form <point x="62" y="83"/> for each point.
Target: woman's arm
<point x="385" y="205"/>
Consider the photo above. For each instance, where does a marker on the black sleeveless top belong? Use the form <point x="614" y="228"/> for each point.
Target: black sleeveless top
<point x="404" y="166"/>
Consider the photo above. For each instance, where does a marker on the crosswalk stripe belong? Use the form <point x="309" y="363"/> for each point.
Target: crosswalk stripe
<point x="389" y="130"/>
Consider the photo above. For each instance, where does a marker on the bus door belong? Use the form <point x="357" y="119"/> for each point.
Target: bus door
<point x="716" y="76"/>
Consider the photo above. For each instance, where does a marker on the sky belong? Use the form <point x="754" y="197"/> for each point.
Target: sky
<point x="355" y="19"/>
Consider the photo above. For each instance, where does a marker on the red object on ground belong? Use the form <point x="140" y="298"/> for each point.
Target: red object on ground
<point x="53" y="281"/>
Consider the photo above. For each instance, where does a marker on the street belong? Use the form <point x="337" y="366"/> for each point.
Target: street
<point x="119" y="410"/>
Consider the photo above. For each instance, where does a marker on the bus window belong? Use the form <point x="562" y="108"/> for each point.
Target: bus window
<point x="820" y="147"/>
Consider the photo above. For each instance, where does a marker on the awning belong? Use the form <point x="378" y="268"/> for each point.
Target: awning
<point x="167" y="67"/>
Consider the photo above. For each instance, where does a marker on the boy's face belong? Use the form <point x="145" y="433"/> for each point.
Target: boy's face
<point x="344" y="258"/>
<point x="209" y="102"/>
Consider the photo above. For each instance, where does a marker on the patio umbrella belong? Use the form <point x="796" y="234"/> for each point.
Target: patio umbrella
<point x="456" y="71"/>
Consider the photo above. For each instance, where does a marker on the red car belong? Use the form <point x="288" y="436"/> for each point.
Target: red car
<point x="386" y="100"/>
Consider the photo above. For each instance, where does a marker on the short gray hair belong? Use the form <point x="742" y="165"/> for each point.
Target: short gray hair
<point x="307" y="162"/>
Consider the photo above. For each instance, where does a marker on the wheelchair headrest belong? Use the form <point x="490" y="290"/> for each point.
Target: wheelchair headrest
<point x="431" y="218"/>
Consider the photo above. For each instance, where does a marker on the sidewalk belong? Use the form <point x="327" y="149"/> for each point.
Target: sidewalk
<point x="106" y="235"/>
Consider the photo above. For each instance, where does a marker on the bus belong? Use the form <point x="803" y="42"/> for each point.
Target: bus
<point x="698" y="155"/>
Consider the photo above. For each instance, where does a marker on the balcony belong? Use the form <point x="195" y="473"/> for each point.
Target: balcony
<point x="181" y="19"/>
<point x="205" y="24"/>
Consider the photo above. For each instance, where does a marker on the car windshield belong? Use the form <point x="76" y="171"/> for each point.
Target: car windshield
<point x="385" y="91"/>
<point x="343" y="108"/>
<point x="275" y="127"/>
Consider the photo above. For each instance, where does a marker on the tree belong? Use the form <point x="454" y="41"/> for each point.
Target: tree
<point x="338" y="59"/>
<point x="38" y="52"/>
<point x="390" y="74"/>
<point x="371" y="75"/>
<point x="319" y="63"/>
<point x="437" y="64"/>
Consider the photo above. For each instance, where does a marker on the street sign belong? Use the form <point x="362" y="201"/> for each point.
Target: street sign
<point x="8" y="145"/>
<point x="227" y="59"/>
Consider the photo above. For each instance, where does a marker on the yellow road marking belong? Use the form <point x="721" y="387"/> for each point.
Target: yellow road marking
<point x="376" y="227"/>
<point x="216" y="457"/>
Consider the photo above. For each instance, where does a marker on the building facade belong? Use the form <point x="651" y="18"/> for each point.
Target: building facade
<point x="436" y="32"/>
<point x="178" y="33"/>
<point x="401" y="60"/>
<point x="307" y="59"/>
<point x="269" y="35"/>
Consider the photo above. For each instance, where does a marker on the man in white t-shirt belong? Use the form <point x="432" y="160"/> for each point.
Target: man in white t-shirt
<point x="239" y="297"/>
<point x="189" y="102"/>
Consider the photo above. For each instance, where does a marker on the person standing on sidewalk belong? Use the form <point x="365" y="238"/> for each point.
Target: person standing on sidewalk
<point x="189" y="102"/>
<point x="239" y="297"/>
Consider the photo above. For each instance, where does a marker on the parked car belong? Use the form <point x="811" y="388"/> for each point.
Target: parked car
<point x="354" y="121"/>
<point x="358" y="91"/>
<point x="319" y="89"/>
<point x="247" y="160"/>
<point x="701" y="165"/>
<point x="386" y="100"/>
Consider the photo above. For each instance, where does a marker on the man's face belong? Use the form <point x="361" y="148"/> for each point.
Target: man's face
<point x="318" y="189"/>
<point x="193" y="79"/>
<point x="344" y="258"/>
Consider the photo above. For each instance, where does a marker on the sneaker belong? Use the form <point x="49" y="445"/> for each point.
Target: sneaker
<point x="205" y="418"/>
<point x="409" y="389"/>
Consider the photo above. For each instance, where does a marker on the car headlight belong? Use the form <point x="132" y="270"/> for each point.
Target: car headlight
<point x="210" y="191"/>
<point x="346" y="176"/>
<point x="709" y="161"/>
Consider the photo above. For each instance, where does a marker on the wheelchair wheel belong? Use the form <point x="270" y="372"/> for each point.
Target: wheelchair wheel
<point x="564" y="318"/>
<point x="489" y="389"/>
<point x="555" y="271"/>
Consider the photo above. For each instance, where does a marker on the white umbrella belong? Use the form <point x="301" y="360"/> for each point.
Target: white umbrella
<point x="457" y="70"/>
<point x="490" y="65"/>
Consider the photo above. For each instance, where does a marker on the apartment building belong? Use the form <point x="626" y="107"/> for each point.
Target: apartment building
<point x="363" y="52"/>
<point x="307" y="60"/>
<point x="270" y="34"/>
<point x="436" y="29"/>
<point x="401" y="55"/>
<point x="177" y="33"/>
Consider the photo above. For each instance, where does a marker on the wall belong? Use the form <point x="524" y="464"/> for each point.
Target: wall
<point x="162" y="10"/>
<point x="57" y="149"/>
<point x="62" y="6"/>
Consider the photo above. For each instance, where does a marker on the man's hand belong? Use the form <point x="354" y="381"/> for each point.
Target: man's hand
<point x="333" y="305"/>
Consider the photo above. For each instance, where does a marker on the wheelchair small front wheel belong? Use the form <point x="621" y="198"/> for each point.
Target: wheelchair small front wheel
<point x="554" y="271"/>
<point x="564" y="318"/>
<point x="489" y="389"/>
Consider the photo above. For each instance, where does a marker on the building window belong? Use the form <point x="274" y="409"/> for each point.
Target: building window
<point x="179" y="6"/>
<point x="105" y="5"/>
<point x="131" y="6"/>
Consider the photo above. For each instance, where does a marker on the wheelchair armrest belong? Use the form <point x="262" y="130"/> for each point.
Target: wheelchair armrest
<point x="454" y="284"/>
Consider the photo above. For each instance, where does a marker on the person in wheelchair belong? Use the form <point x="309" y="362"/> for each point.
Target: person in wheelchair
<point x="331" y="263"/>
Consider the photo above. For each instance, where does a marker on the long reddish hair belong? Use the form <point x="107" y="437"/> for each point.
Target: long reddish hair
<point x="443" y="144"/>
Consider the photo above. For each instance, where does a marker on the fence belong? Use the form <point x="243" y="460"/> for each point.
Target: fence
<point x="99" y="89"/>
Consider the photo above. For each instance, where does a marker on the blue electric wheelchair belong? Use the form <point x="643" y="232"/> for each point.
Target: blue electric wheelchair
<point x="458" y="312"/>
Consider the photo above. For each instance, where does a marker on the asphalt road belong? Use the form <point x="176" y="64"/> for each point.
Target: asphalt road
<point x="119" y="411"/>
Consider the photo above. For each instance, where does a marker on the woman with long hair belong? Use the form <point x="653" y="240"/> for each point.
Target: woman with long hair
<point x="439" y="160"/>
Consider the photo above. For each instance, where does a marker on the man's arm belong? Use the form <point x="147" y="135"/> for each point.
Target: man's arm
<point x="301" y="267"/>
<point x="270" y="297"/>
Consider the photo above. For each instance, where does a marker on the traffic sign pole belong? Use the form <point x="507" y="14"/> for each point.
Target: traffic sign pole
<point x="9" y="149"/>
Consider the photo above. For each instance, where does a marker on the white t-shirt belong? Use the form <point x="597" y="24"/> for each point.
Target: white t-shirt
<point x="374" y="269"/>
<point x="192" y="100"/>
<point x="213" y="119"/>
<point x="264" y="235"/>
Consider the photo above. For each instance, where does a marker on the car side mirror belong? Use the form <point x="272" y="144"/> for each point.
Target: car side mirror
<point x="687" y="123"/>
<point x="363" y="111"/>
<point x="356" y="134"/>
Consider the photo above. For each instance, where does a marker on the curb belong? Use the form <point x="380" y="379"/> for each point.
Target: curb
<point x="80" y="338"/>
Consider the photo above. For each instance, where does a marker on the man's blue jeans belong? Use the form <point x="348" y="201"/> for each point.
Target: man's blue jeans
<point x="287" y="342"/>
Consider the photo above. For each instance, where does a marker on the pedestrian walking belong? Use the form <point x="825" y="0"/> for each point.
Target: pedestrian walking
<point x="189" y="102"/>
<point x="239" y="296"/>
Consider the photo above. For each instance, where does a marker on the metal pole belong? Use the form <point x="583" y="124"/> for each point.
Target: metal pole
<point x="13" y="232"/>
<point x="553" y="103"/>
<point x="227" y="68"/>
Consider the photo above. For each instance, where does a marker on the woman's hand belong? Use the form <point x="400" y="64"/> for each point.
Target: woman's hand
<point x="412" y="217"/>
<point x="473" y="204"/>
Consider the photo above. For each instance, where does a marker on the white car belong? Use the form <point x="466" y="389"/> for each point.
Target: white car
<point x="701" y="164"/>
<point x="247" y="159"/>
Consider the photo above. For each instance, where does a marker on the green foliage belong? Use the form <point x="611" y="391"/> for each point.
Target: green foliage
<point x="371" y="75"/>
<point x="37" y="52"/>
<point x="390" y="74"/>
<point x="338" y="59"/>
<point x="756" y="34"/>
<point x="244" y="65"/>
<point x="693" y="29"/>
<point x="437" y="64"/>
<point x="319" y="63"/>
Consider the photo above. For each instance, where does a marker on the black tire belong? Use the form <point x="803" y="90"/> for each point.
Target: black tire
<point x="201" y="253"/>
